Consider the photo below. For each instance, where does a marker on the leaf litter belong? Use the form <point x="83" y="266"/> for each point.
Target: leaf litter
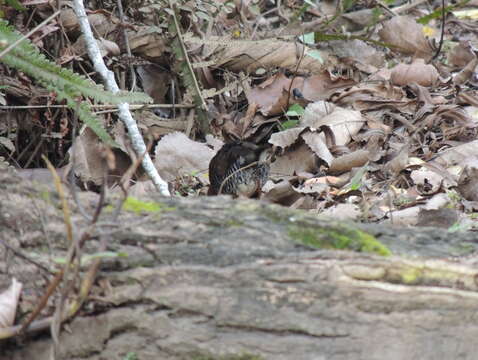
<point x="365" y="123"/>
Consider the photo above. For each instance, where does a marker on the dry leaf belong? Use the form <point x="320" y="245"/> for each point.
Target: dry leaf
<point x="460" y="55"/>
<point x="89" y="154"/>
<point x="286" y="138"/>
<point x="343" y="212"/>
<point x="343" y="123"/>
<point x="316" y="143"/>
<point x="349" y="161"/>
<point x="177" y="155"/>
<point x="457" y="154"/>
<point x="299" y="159"/>
<point x="417" y="72"/>
<point x="281" y="193"/>
<point x="248" y="56"/>
<point x="148" y="42"/>
<point x="407" y="35"/>
<point x="272" y="96"/>
<point x="9" y="303"/>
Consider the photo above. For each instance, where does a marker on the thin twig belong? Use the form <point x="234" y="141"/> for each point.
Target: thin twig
<point x="126" y="42"/>
<point x="23" y="256"/>
<point x="124" y="113"/>
<point x="440" y="44"/>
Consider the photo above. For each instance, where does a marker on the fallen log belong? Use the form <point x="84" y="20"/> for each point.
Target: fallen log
<point x="217" y="278"/>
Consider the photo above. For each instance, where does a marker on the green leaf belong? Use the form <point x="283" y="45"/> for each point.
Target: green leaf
<point x="316" y="54"/>
<point x="85" y="259"/>
<point x="68" y="85"/>
<point x="295" y="110"/>
<point x="289" y="124"/>
<point x="16" y="5"/>
<point x="437" y="14"/>
<point x="347" y="4"/>
<point x="356" y="182"/>
<point x="308" y="38"/>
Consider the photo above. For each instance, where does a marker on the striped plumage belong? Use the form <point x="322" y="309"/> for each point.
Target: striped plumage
<point x="229" y="172"/>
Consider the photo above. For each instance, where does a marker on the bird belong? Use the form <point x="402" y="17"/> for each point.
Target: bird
<point x="240" y="169"/>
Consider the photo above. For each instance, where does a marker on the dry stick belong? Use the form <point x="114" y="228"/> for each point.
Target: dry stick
<point x="295" y="74"/>
<point x="195" y="83"/>
<point x="74" y="249"/>
<point x="443" y="15"/>
<point x="18" y="253"/>
<point x="34" y="153"/>
<point x="405" y="8"/>
<point x="124" y="113"/>
<point x="59" y="276"/>
<point x="126" y="42"/>
<point x="41" y="304"/>
<point x="90" y="276"/>
<point x="124" y="182"/>
<point x="8" y="332"/>
<point x="60" y="316"/>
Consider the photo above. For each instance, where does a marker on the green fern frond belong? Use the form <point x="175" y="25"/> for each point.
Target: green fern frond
<point x="67" y="84"/>
<point x="28" y="59"/>
<point x="84" y="114"/>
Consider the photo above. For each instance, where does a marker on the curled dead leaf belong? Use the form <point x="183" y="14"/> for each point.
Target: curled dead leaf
<point x="346" y="162"/>
<point x="406" y="35"/>
<point x="9" y="303"/>
<point x="343" y="123"/>
<point x="417" y="72"/>
<point x="110" y="46"/>
<point x="296" y="160"/>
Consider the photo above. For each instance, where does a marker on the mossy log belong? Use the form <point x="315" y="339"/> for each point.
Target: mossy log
<point x="217" y="278"/>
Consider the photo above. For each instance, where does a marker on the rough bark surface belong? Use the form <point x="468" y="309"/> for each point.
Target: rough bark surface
<point x="216" y="278"/>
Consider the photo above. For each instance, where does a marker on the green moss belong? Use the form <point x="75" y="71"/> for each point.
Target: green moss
<point x="137" y="206"/>
<point x="337" y="238"/>
<point x="411" y="275"/>
<point x="429" y="275"/>
<point x="45" y="195"/>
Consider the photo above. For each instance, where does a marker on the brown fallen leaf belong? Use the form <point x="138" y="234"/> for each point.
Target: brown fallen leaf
<point x="9" y="303"/>
<point x="90" y="160"/>
<point x="407" y="36"/>
<point x="348" y="161"/>
<point x="417" y="72"/>
<point x="176" y="155"/>
<point x="343" y="123"/>
<point x="460" y="55"/>
<point x="251" y="55"/>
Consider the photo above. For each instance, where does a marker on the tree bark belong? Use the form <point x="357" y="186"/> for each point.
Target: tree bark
<point x="217" y="278"/>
